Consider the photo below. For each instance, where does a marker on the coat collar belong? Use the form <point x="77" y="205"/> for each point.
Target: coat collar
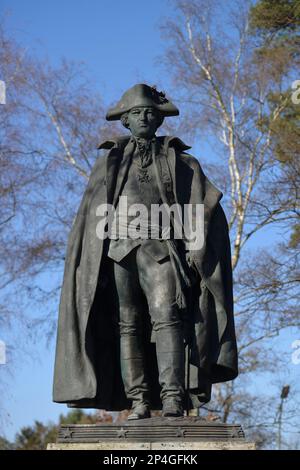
<point x="118" y="160"/>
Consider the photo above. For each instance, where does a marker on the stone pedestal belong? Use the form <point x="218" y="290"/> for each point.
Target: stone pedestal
<point x="156" y="446"/>
<point x="156" y="434"/>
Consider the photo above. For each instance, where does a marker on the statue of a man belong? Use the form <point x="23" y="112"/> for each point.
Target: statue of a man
<point x="145" y="321"/>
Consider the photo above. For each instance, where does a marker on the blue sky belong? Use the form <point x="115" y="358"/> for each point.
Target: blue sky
<point x="119" y="42"/>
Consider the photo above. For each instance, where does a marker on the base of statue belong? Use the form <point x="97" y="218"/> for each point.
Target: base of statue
<point x="183" y="433"/>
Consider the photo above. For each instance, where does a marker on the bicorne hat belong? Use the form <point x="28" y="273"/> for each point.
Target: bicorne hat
<point x="142" y="95"/>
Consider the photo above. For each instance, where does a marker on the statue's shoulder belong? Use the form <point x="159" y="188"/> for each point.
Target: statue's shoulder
<point x="116" y="142"/>
<point x="181" y="150"/>
<point x="190" y="160"/>
<point x="168" y="141"/>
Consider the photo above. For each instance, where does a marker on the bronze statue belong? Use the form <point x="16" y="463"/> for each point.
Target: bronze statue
<point x="145" y="322"/>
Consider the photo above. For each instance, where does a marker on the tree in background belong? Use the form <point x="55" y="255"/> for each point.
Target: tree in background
<point x="50" y="126"/>
<point x="37" y="437"/>
<point x="234" y="76"/>
<point x="5" y="444"/>
<point x="276" y="24"/>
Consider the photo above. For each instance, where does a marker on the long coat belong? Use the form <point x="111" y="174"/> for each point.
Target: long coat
<point x="87" y="365"/>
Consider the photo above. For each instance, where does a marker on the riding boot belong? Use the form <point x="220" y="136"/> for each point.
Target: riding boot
<point x="170" y="359"/>
<point x="132" y="370"/>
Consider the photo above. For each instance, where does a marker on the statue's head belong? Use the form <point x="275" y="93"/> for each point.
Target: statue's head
<point x="142" y="109"/>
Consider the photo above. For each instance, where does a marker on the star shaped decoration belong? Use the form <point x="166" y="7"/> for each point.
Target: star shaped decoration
<point x="122" y="433"/>
<point x="67" y="433"/>
<point x="180" y="432"/>
<point x="234" y="434"/>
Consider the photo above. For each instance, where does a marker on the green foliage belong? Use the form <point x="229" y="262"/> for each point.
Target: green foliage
<point x="37" y="437"/>
<point x="78" y="417"/>
<point x="275" y="15"/>
<point x="277" y="24"/>
<point x="285" y="129"/>
<point x="5" y="444"/>
<point x="295" y="237"/>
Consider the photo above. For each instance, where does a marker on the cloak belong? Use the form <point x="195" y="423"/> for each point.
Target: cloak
<point x="87" y="365"/>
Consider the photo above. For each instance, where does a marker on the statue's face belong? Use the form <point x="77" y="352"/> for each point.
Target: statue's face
<point x="143" y="122"/>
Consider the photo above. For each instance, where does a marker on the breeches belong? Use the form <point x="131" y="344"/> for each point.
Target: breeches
<point x="136" y="277"/>
<point x="139" y="274"/>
